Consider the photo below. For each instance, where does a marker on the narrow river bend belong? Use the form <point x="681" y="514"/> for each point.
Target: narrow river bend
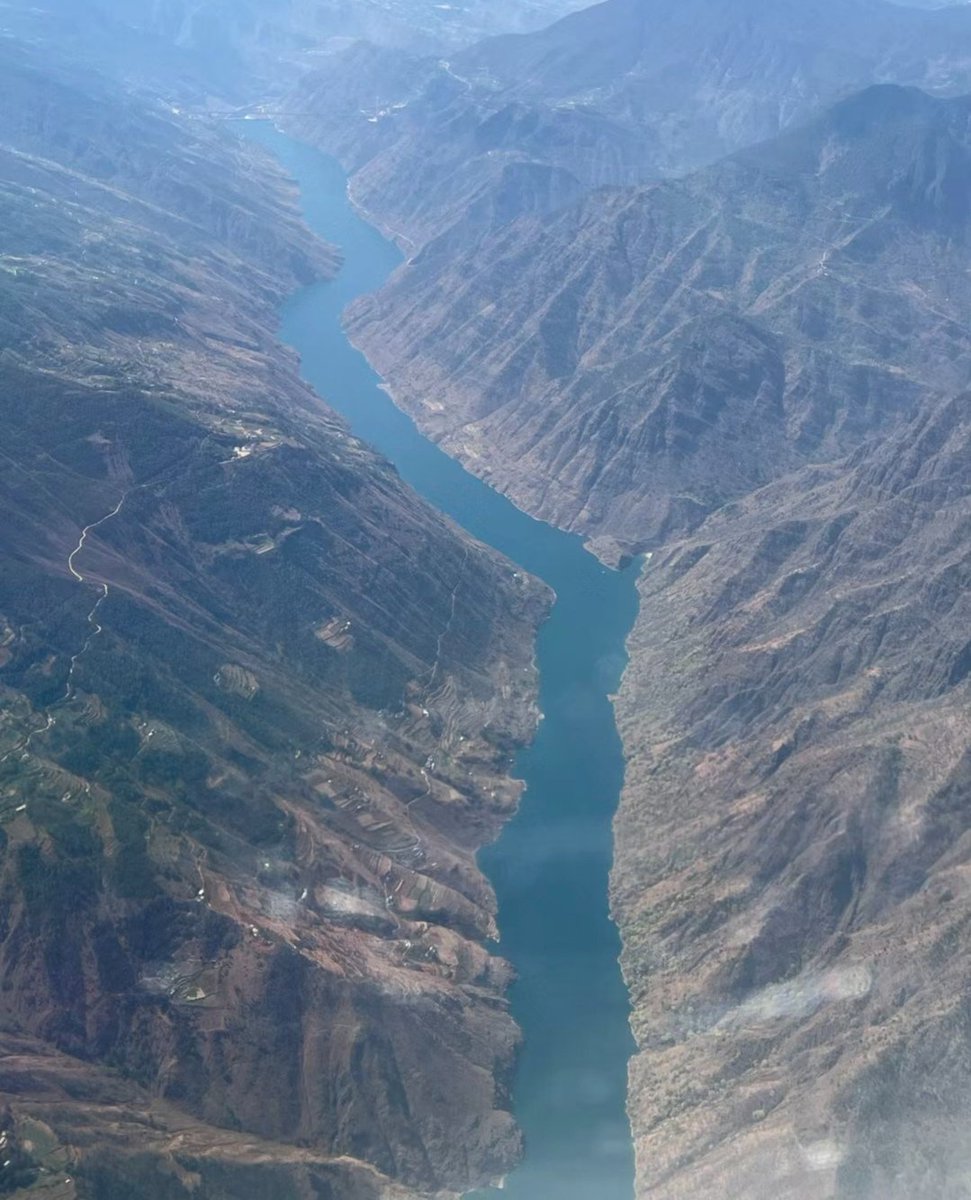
<point x="550" y="867"/>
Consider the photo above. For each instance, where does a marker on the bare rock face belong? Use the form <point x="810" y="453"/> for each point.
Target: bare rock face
<point x="630" y="364"/>
<point x="257" y="704"/>
<point x="793" y="842"/>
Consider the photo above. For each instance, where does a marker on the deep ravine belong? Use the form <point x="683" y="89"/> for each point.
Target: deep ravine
<point x="550" y="867"/>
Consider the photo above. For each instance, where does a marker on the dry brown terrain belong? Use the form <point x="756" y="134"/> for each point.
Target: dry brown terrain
<point x="793" y="843"/>
<point x="257" y="706"/>
<point x="757" y="373"/>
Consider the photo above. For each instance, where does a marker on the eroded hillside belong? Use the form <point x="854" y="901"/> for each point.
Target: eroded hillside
<point x="793" y="844"/>
<point x="758" y="373"/>
<point x="630" y="364"/>
<point x="258" y="702"/>
<point x="622" y="92"/>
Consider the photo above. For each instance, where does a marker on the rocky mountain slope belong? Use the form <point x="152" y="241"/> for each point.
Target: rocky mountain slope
<point x="710" y="75"/>
<point x="257" y="703"/>
<point x="623" y="92"/>
<point x="759" y="372"/>
<point x="793" y="844"/>
<point x="429" y="154"/>
<point x="631" y="363"/>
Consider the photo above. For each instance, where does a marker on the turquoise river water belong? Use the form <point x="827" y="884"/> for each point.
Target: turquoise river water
<point x="550" y="867"/>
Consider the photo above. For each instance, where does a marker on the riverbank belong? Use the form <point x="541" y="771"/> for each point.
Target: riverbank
<point x="551" y="865"/>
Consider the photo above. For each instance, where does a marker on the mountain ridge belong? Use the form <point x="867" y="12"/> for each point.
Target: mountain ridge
<point x="618" y="94"/>
<point x="625" y="326"/>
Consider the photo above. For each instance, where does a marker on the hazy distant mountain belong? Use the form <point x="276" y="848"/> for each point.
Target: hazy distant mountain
<point x="628" y="90"/>
<point x="428" y="152"/>
<point x="243" y="49"/>
<point x="236" y="889"/>
<point x="303" y="23"/>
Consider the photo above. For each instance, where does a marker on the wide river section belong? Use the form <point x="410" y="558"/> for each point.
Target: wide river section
<point x="550" y="867"/>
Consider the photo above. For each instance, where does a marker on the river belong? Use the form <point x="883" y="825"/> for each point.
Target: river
<point x="550" y="867"/>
